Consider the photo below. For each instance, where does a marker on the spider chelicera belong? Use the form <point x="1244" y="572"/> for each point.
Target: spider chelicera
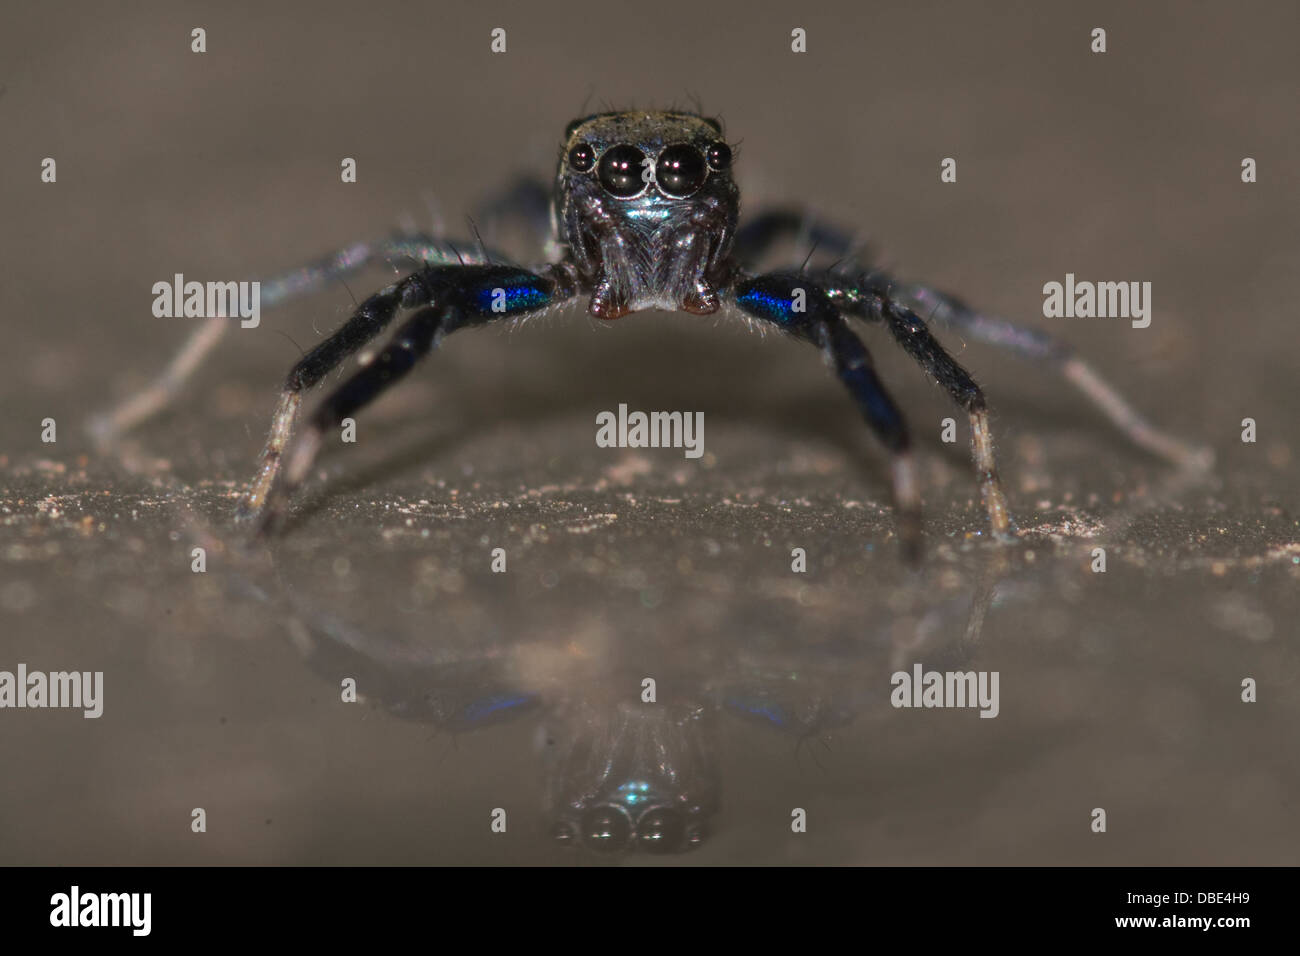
<point x="644" y="215"/>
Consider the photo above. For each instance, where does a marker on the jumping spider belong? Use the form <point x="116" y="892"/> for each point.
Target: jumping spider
<point x="644" y="215"/>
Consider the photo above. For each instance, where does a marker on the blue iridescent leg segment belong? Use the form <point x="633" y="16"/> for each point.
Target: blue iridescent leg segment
<point x="447" y="298"/>
<point x="796" y="304"/>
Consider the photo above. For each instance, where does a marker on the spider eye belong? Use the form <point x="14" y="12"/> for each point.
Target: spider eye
<point x="620" y="171"/>
<point x="718" y="156"/>
<point x="680" y="170"/>
<point x="582" y="158"/>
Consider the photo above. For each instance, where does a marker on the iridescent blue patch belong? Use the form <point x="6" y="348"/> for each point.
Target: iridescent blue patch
<point x="635" y="792"/>
<point x="505" y="299"/>
<point x="762" y="708"/>
<point x="776" y="308"/>
<point x="494" y="706"/>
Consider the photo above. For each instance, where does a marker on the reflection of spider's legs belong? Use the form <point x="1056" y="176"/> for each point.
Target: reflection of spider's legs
<point x="990" y="576"/>
<point x="400" y="250"/>
<point x="773" y="298"/>
<point x="937" y="638"/>
<point x="455" y="296"/>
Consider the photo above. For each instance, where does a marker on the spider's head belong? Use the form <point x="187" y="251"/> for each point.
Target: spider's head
<point x="646" y="204"/>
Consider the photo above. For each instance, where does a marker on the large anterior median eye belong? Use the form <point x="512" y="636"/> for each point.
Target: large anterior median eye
<point x="680" y="170"/>
<point x="620" y="171"/>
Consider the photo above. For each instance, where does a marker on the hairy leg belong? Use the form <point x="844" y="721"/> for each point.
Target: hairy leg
<point x="369" y="320"/>
<point x="916" y="340"/>
<point x="1041" y="347"/>
<point x="857" y="293"/>
<point x="452" y="297"/>
<point x="855" y="284"/>
<point x="772" y="298"/>
<point x="407" y="251"/>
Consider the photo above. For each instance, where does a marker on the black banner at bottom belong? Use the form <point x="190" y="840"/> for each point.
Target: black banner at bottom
<point x="93" y="905"/>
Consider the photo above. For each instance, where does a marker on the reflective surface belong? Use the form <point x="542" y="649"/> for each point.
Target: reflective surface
<point x="523" y="691"/>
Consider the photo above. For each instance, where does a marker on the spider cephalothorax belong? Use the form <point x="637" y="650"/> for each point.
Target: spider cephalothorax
<point x="644" y="216"/>
<point x="648" y="208"/>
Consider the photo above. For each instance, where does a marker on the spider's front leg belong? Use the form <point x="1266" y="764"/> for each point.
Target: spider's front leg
<point x="811" y="316"/>
<point x="868" y="297"/>
<point x="108" y="427"/>
<point x="447" y="298"/>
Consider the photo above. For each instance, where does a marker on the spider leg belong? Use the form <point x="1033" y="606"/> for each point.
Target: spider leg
<point x="772" y="298"/>
<point x="106" y="427"/>
<point x="857" y="294"/>
<point x="453" y="297"/>
<point x="277" y="290"/>
<point x="370" y="318"/>
<point x="526" y="203"/>
<point x="757" y="236"/>
<point x="1040" y="347"/>
<point x="917" y="341"/>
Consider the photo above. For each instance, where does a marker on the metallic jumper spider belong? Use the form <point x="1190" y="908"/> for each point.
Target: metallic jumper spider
<point x="644" y="215"/>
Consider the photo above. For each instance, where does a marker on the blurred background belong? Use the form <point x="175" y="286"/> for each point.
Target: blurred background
<point x="512" y="691"/>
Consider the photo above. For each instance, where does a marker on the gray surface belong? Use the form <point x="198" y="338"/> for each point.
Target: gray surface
<point x="1118" y="690"/>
